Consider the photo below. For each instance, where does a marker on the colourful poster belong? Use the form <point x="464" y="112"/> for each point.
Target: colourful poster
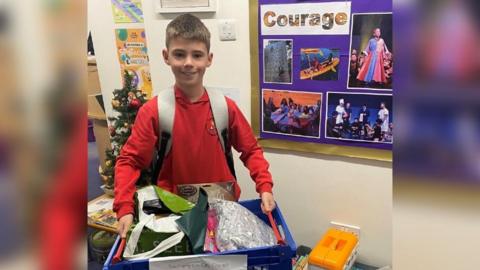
<point x="310" y="57"/>
<point x="133" y="56"/>
<point x="127" y="11"/>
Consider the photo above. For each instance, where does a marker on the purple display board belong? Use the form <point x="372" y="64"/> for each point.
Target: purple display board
<point x="326" y="72"/>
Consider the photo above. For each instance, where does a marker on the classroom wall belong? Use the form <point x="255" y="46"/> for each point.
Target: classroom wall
<point x="311" y="189"/>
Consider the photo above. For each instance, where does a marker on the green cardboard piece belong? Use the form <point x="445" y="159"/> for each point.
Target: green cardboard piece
<point x="194" y="223"/>
<point x="175" y="203"/>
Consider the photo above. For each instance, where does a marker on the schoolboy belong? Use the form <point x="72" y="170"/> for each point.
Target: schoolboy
<point x="196" y="155"/>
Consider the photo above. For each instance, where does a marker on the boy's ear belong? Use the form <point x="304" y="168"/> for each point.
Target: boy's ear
<point x="210" y="57"/>
<point x="165" y="56"/>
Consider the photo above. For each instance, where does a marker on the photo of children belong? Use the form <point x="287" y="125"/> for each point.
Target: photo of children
<point x="277" y="61"/>
<point x="359" y="117"/>
<point x="319" y="64"/>
<point x="291" y="112"/>
<point x="371" y="52"/>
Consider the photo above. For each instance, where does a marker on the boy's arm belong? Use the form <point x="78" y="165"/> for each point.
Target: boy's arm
<point x="136" y="154"/>
<point x="242" y="139"/>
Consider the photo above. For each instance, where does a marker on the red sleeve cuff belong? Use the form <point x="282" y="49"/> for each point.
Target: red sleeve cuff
<point x="124" y="209"/>
<point x="266" y="187"/>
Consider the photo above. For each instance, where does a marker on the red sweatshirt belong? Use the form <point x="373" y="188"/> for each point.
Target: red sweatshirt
<point x="196" y="155"/>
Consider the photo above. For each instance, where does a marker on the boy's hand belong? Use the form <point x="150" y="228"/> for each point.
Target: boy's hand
<point x="268" y="203"/>
<point x="124" y="224"/>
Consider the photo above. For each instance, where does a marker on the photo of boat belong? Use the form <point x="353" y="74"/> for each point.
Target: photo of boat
<point x="319" y="64"/>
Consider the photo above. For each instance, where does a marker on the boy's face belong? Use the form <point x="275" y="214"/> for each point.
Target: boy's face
<point x="188" y="59"/>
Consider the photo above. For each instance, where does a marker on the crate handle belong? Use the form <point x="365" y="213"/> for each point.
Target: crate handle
<point x="280" y="240"/>
<point x="118" y="255"/>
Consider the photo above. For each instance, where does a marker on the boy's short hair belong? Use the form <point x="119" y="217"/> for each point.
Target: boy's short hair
<point x="188" y="27"/>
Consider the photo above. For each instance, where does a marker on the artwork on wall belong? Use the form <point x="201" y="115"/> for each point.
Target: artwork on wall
<point x="131" y="43"/>
<point x="127" y="11"/>
<point x="133" y="57"/>
<point x="325" y="72"/>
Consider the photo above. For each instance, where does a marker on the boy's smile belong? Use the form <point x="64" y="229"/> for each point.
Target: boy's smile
<point x="188" y="59"/>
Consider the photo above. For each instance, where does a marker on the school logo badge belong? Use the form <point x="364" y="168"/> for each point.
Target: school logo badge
<point x="210" y="126"/>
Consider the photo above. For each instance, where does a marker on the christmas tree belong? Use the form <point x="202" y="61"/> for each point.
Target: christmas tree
<point x="126" y="102"/>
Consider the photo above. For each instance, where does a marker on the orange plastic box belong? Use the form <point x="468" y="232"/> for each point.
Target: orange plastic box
<point x="337" y="250"/>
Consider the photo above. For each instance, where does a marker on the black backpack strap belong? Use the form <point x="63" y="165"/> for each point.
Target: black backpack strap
<point x="228" y="153"/>
<point x="158" y="157"/>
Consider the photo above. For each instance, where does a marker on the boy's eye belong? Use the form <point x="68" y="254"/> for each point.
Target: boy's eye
<point x="197" y="55"/>
<point x="178" y="54"/>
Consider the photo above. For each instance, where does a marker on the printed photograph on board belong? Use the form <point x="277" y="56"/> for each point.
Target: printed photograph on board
<point x="319" y="64"/>
<point x="371" y="52"/>
<point x="277" y="61"/>
<point x="359" y="117"/>
<point x="292" y="113"/>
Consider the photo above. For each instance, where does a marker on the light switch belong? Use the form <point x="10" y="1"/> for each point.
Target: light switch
<point x="226" y="29"/>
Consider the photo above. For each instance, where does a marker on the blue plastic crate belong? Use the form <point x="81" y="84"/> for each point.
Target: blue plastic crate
<point x="277" y="257"/>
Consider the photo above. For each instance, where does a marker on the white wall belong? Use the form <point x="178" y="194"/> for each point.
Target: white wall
<point x="311" y="189"/>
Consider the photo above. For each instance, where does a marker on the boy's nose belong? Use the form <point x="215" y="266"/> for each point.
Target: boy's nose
<point x="188" y="62"/>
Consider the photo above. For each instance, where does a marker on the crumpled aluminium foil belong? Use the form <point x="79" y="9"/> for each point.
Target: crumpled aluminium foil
<point x="238" y="228"/>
